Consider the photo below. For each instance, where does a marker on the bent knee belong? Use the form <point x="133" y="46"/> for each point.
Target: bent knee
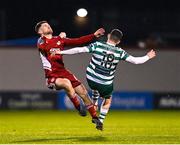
<point x="63" y="83"/>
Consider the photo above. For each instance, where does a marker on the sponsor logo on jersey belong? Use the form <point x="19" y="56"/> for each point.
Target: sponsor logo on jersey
<point x="53" y="50"/>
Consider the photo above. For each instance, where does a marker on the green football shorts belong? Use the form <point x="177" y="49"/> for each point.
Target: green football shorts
<point x="105" y="91"/>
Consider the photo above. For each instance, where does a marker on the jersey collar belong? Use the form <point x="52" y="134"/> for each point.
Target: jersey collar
<point x="110" y="44"/>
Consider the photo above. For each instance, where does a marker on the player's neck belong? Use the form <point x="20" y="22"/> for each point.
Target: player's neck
<point x="111" y="42"/>
<point x="48" y="36"/>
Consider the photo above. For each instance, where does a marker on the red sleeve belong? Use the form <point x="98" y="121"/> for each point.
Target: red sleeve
<point x="78" y="41"/>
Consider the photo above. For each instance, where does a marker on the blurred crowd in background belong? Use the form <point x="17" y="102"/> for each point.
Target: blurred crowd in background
<point x="144" y="23"/>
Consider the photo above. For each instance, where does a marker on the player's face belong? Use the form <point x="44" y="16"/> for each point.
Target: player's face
<point x="45" y="29"/>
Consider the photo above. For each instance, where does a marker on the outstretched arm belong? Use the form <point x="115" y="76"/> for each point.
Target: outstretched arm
<point x="139" y="60"/>
<point x="83" y="39"/>
<point x="73" y="50"/>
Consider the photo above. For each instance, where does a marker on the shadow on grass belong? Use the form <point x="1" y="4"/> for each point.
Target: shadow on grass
<point x="81" y="139"/>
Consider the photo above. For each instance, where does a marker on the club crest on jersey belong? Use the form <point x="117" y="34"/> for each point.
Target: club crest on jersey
<point x="58" y="43"/>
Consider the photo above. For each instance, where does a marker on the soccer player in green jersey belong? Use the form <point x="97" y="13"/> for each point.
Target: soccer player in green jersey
<point x="101" y="69"/>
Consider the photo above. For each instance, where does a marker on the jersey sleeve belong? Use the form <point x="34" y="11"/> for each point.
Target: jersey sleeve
<point x="40" y="44"/>
<point x="124" y="55"/>
<point x="92" y="47"/>
<point x="78" y="41"/>
<point x="75" y="50"/>
<point x="137" y="60"/>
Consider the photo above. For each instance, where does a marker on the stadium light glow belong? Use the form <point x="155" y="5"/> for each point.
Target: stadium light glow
<point x="82" y="12"/>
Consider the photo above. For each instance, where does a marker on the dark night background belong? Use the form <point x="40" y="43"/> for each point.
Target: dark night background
<point x="137" y="19"/>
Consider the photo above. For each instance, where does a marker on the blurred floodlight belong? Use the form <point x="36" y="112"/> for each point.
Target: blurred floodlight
<point x="82" y="12"/>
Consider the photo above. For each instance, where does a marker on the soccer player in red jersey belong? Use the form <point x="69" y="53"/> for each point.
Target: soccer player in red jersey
<point x="57" y="76"/>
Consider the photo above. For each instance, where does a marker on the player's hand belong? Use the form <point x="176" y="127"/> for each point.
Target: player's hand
<point x="62" y="35"/>
<point x="99" y="32"/>
<point x="151" y="54"/>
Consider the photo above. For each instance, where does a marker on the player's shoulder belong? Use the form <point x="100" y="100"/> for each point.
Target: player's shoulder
<point x="94" y="44"/>
<point x="56" y="37"/>
<point x="40" y="41"/>
<point x="120" y="49"/>
<point x="101" y="43"/>
<point x="117" y="50"/>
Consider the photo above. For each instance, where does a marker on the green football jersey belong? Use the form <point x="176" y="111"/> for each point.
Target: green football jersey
<point x="104" y="61"/>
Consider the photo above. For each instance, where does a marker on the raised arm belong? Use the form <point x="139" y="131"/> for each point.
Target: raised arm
<point x="139" y="60"/>
<point x="83" y="39"/>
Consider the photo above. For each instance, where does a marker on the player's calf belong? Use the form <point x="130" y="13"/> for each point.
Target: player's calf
<point x="82" y="110"/>
<point x="104" y="108"/>
<point x="67" y="86"/>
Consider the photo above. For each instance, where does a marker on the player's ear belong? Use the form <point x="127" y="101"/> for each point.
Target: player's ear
<point x="108" y="36"/>
<point x="119" y="41"/>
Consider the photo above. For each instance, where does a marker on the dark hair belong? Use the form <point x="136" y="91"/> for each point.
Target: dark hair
<point x="38" y="25"/>
<point x="116" y="35"/>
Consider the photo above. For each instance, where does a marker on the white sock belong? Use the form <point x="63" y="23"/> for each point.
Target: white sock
<point x="103" y="112"/>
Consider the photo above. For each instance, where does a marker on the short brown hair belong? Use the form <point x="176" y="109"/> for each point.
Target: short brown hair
<point x="38" y="25"/>
<point x="116" y="35"/>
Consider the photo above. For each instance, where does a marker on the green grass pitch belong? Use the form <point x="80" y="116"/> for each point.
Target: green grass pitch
<point x="67" y="127"/>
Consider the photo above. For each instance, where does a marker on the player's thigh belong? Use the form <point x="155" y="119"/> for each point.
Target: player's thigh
<point x="63" y="83"/>
<point x="81" y="90"/>
<point x="74" y="81"/>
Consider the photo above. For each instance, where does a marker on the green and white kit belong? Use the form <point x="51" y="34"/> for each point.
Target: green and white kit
<point x="101" y="69"/>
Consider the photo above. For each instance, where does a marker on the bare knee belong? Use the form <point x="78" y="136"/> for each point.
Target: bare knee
<point x="62" y="83"/>
<point x="65" y="84"/>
